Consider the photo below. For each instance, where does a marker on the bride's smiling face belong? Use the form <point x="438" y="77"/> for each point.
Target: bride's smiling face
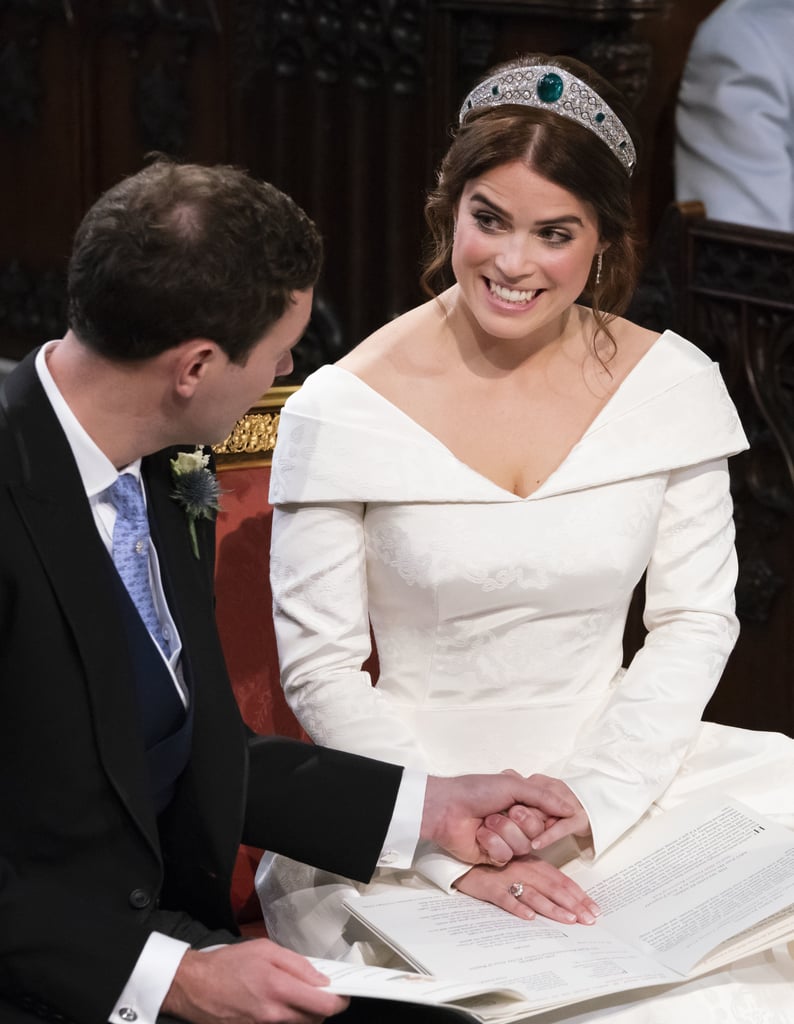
<point x="523" y="250"/>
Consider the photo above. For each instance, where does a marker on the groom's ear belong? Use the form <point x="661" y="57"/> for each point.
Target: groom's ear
<point x="194" y="362"/>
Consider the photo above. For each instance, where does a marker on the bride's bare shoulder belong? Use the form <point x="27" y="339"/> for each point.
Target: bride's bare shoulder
<point x="398" y="345"/>
<point x="631" y="343"/>
<point x="634" y="339"/>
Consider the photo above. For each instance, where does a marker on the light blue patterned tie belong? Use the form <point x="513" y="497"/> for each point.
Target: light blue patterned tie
<point x="131" y="550"/>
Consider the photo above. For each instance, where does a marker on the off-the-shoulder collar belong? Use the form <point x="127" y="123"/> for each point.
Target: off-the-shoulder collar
<point x="339" y="440"/>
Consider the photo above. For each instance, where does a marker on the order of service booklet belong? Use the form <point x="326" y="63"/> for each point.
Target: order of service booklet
<point x="682" y="894"/>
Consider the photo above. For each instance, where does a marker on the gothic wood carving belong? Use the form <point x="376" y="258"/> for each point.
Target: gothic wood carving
<point x="730" y="290"/>
<point x="23" y="24"/>
<point x="161" y="36"/>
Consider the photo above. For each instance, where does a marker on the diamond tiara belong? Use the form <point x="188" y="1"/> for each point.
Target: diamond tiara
<point x="549" y="87"/>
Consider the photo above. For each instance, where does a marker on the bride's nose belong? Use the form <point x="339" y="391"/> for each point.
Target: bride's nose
<point x="515" y="258"/>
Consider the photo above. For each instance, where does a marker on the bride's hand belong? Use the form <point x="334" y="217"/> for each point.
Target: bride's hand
<point x="527" y="828"/>
<point x="538" y="888"/>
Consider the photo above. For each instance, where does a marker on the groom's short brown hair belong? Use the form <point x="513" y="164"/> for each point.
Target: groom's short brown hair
<point x="179" y="251"/>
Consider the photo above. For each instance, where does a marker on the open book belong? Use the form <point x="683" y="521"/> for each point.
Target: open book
<point x="683" y="893"/>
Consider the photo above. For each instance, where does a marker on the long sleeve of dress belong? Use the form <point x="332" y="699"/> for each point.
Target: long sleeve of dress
<point x="319" y="583"/>
<point x="628" y="755"/>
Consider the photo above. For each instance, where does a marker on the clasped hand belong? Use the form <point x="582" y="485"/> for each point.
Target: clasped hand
<point x="531" y="814"/>
<point x="509" y="874"/>
<point x="489" y="819"/>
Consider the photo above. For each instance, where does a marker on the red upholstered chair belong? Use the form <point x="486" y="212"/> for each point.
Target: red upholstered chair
<point x="243" y="602"/>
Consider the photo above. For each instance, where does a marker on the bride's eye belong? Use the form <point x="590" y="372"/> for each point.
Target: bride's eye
<point x="487" y="221"/>
<point x="555" y="236"/>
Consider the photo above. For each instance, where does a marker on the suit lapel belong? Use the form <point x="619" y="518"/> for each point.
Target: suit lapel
<point x="53" y="505"/>
<point x="187" y="581"/>
<point x="214" y="780"/>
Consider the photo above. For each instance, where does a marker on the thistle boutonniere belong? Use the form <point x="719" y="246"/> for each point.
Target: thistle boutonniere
<point x="196" y="489"/>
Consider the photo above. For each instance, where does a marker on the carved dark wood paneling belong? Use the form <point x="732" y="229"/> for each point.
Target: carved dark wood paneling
<point x="21" y="86"/>
<point x="333" y="110"/>
<point x="730" y="290"/>
<point x="32" y="307"/>
<point x="346" y="105"/>
<point x="588" y="10"/>
<point x="367" y="44"/>
<point x="160" y="38"/>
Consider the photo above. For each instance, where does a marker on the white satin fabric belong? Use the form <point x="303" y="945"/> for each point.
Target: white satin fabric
<point x="499" y="620"/>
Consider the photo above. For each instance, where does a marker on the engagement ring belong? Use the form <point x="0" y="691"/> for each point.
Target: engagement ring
<point x="516" y="889"/>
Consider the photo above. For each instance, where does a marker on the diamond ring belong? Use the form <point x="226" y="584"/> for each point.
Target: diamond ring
<point x="516" y="889"/>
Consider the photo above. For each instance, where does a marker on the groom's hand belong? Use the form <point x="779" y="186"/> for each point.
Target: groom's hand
<point x="455" y="811"/>
<point x="519" y="826"/>
<point x="254" y="982"/>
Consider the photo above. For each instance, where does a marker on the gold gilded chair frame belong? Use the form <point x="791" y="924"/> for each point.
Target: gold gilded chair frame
<point x="253" y="437"/>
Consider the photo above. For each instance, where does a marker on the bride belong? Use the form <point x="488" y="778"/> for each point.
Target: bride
<point x="482" y="483"/>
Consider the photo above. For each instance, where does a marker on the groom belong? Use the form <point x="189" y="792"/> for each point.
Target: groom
<point x="127" y="780"/>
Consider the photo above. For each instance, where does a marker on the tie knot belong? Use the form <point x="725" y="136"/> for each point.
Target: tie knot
<point x="127" y="496"/>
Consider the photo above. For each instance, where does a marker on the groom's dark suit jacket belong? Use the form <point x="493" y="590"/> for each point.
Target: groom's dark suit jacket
<point x="86" y="869"/>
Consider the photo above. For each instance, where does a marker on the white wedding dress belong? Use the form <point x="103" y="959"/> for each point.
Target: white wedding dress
<point x="499" y="621"/>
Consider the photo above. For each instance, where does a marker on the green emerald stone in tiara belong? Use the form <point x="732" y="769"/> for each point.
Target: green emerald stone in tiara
<point x="552" y="88"/>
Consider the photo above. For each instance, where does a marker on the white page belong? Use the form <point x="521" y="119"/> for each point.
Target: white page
<point x="404" y="986"/>
<point x="551" y="963"/>
<point x="691" y="878"/>
<point x="671" y="891"/>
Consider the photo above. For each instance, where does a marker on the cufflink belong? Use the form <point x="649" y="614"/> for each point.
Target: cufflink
<point x="388" y="857"/>
<point x="127" y="1013"/>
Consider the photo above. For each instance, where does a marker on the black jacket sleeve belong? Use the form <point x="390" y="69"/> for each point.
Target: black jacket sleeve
<point x="324" y="807"/>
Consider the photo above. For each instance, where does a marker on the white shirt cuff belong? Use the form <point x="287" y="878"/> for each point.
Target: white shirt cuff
<point x="439" y="867"/>
<point x="402" y="837"/>
<point x="150" y="981"/>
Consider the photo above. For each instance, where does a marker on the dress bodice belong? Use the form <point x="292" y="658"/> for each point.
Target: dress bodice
<point x="498" y="619"/>
<point x="499" y="623"/>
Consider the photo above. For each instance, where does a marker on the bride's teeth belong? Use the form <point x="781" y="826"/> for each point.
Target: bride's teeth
<point x="512" y="294"/>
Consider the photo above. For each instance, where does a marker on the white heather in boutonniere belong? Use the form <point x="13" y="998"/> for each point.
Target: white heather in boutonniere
<point x="196" y="489"/>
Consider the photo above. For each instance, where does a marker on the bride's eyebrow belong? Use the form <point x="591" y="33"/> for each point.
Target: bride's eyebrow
<point x="478" y="197"/>
<point x="571" y="218"/>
